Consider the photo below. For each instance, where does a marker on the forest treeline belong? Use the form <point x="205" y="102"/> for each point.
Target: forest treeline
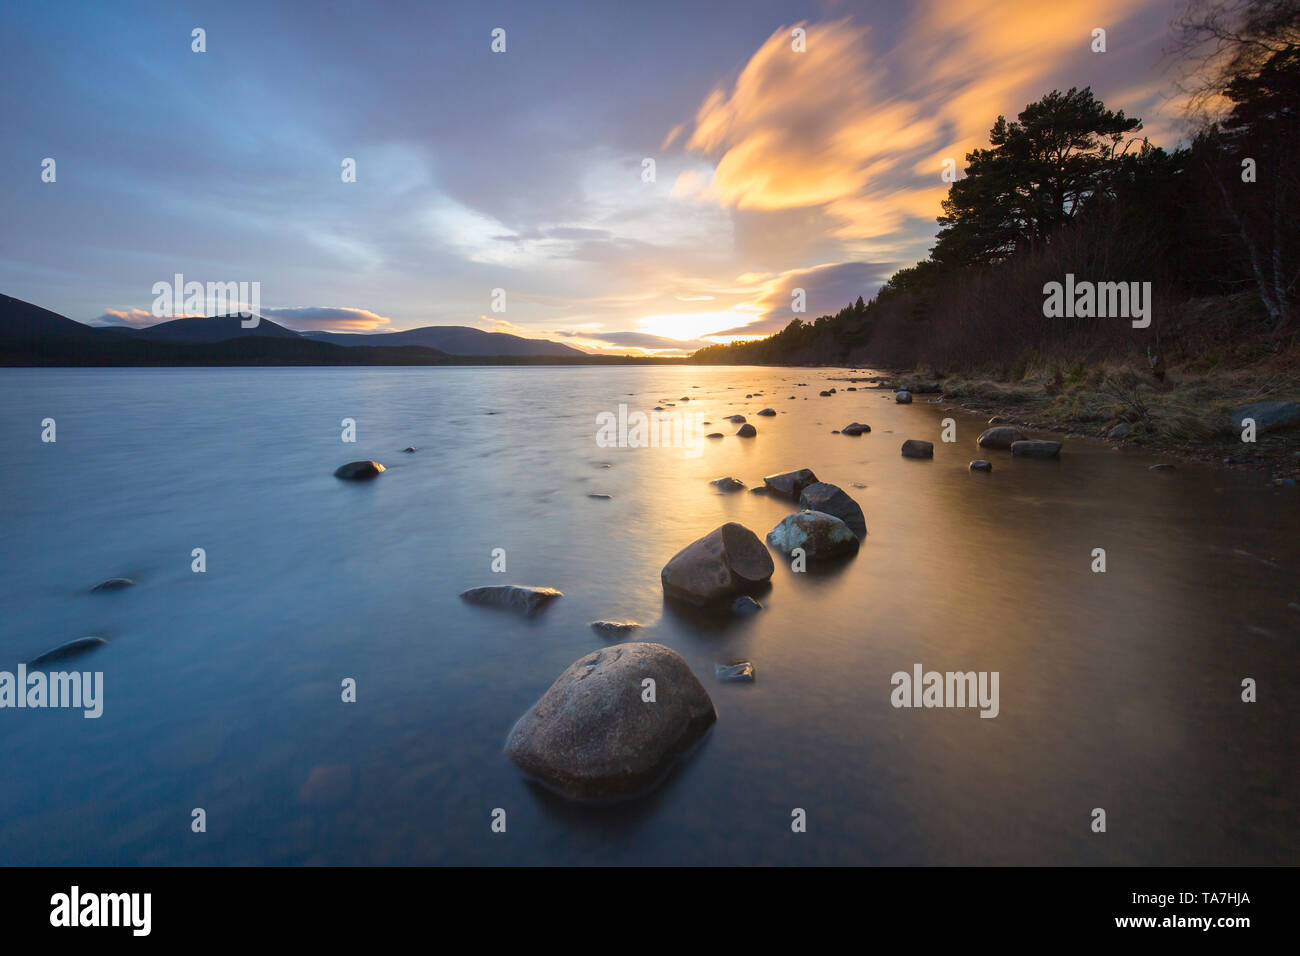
<point x="1071" y="187"/>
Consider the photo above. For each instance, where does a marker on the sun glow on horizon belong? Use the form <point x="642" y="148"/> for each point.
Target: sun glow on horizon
<point x="687" y="326"/>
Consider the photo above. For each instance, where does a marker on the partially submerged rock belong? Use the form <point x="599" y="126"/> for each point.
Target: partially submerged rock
<point x="981" y="465"/>
<point x="746" y="431"/>
<point x="71" y="649"/>
<point x="767" y="412"/>
<point x="726" y="562"/>
<point x="857" y="428"/>
<point x="821" y="536"/>
<point x="1036" y="448"/>
<point x="745" y="605"/>
<point x="113" y="584"/>
<point x="593" y="737"/>
<point x="791" y="483"/>
<point x="740" y="672"/>
<point x="359" y="470"/>
<point x="737" y="419"/>
<point x="834" y="500"/>
<point x="903" y="397"/>
<point x="915" y="448"/>
<point x="511" y="597"/>
<point x="1000" y="437"/>
<point x="615" y="628"/>
<point x="727" y="484"/>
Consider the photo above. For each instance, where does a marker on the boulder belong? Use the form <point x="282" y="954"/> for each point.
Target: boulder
<point x="726" y="562"/>
<point x="915" y="448"/>
<point x="1267" y="415"/>
<point x="1036" y="448"/>
<point x="833" y="500"/>
<point x="855" y="429"/>
<point x="591" y="736"/>
<point x="790" y="484"/>
<point x="821" y="536"/>
<point x="981" y="465"/>
<point x="727" y="484"/>
<point x="358" y="470"/>
<point x="512" y="597"/>
<point x="903" y="397"/>
<point x="1000" y="437"/>
<point x="746" y="431"/>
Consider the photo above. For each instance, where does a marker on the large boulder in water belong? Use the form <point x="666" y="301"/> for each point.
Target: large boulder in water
<point x="791" y="483"/>
<point x="746" y="431"/>
<point x="594" y="737"/>
<point x="726" y="562"/>
<point x="511" y="597"/>
<point x="359" y="470"/>
<point x="1000" y="437"/>
<point x="1036" y="448"/>
<point x="915" y="448"/>
<point x="821" y="536"/>
<point x="833" y="500"/>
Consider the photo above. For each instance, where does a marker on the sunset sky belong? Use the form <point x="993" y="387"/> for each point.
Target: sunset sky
<point x="520" y="170"/>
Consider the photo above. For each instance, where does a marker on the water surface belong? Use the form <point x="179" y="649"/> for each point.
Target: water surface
<point x="1118" y="690"/>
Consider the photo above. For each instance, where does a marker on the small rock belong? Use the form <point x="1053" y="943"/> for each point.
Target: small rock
<point x="745" y="605"/>
<point x="824" y="394"/>
<point x="64" y="651"/>
<point x="903" y="397"/>
<point x="768" y="412"/>
<point x="746" y="431"/>
<point x="714" y="435"/>
<point x="1036" y="448"/>
<point x="741" y="672"/>
<point x="615" y="628"/>
<point x="511" y="597"/>
<point x="998" y="420"/>
<point x="915" y="448"/>
<point x="857" y="428"/>
<point x="981" y="465"/>
<point x="1161" y="466"/>
<point x="409" y="449"/>
<point x="602" y="497"/>
<point x="1000" y="437"/>
<point x="727" y="484"/>
<point x="359" y="470"/>
<point x="737" y="419"/>
<point x="113" y="584"/>
<point x="1119" y="431"/>
<point x="790" y="484"/>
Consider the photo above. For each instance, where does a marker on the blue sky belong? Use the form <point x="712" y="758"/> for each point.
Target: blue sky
<point x="775" y="168"/>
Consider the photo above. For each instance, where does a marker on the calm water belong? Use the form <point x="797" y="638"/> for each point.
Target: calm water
<point x="1117" y="690"/>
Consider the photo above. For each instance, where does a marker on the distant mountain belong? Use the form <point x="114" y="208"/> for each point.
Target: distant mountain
<point x="32" y="336"/>
<point x="199" y="330"/>
<point x="453" y="339"/>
